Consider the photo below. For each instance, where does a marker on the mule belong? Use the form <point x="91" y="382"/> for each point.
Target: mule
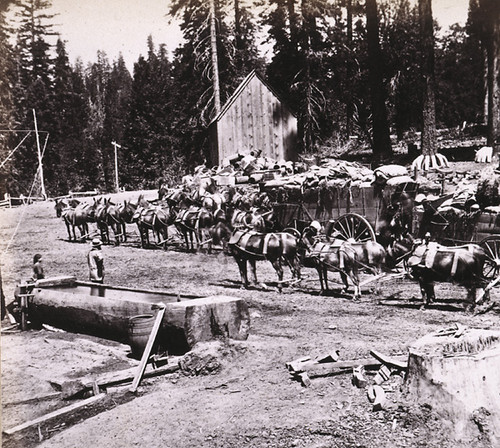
<point x="101" y="207"/>
<point x="154" y="218"/>
<point x="430" y="262"/>
<point x="337" y="256"/>
<point x="123" y="215"/>
<point x="248" y="246"/>
<point x="62" y="204"/>
<point x="194" y="223"/>
<point x="78" y="217"/>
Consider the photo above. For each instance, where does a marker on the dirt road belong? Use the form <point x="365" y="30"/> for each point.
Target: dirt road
<point x="252" y="401"/>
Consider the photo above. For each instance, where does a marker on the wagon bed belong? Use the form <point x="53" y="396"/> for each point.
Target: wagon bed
<point x="345" y="202"/>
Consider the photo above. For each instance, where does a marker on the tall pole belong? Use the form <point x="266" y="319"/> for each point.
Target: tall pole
<point x="40" y="166"/>
<point x="116" y="145"/>
<point x="215" y="64"/>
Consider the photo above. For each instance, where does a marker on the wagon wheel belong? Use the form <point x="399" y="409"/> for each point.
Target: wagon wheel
<point x="292" y="231"/>
<point x="352" y="226"/>
<point x="491" y="269"/>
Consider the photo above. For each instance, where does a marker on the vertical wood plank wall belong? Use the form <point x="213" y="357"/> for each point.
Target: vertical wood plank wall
<point x="256" y="120"/>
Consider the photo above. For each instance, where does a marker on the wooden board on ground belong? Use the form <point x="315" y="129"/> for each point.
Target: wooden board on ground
<point x="315" y="370"/>
<point x="57" y="413"/>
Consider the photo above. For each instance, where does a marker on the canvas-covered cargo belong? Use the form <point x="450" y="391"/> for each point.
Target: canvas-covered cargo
<point x="452" y="225"/>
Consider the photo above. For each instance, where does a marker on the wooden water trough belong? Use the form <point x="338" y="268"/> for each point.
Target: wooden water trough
<point x="105" y="311"/>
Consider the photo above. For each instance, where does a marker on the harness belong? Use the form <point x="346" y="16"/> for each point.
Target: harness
<point x="241" y="238"/>
<point x="425" y="257"/>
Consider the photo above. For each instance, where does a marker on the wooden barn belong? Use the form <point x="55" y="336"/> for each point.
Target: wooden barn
<point x="253" y="119"/>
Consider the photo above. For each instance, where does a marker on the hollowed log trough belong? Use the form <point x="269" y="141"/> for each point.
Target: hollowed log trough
<point x="104" y="311"/>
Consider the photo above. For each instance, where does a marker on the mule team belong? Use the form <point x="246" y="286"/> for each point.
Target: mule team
<point x="243" y="225"/>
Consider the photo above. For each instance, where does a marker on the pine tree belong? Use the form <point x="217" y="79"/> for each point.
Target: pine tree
<point x="150" y="153"/>
<point x="459" y="86"/>
<point x="116" y="105"/>
<point x="381" y="138"/>
<point x="7" y="122"/>
<point x="489" y="11"/>
<point x="33" y="83"/>
<point x="428" y="141"/>
<point x="67" y="133"/>
<point x="193" y="68"/>
<point x="400" y="45"/>
<point x="300" y="34"/>
<point x="97" y="78"/>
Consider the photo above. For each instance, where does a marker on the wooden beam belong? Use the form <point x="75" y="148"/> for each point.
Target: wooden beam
<point x="149" y="347"/>
<point x="388" y="361"/>
<point x="335" y="368"/>
<point x="121" y="377"/>
<point x="57" y="413"/>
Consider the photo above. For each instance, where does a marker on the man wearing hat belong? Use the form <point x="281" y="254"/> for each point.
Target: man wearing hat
<point x="96" y="262"/>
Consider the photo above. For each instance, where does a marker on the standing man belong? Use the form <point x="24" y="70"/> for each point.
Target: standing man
<point x="96" y="262"/>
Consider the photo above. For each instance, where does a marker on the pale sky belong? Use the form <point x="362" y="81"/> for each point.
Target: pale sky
<point x="123" y="26"/>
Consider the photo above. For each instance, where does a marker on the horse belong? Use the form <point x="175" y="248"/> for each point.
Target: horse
<point x="250" y="246"/>
<point x="191" y="223"/>
<point x="337" y="256"/>
<point x="79" y="217"/>
<point x="429" y="262"/>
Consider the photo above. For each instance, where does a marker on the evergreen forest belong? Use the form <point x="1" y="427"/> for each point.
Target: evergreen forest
<point x="345" y="67"/>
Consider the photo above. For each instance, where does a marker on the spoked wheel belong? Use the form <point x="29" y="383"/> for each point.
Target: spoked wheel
<point x="491" y="269"/>
<point x="292" y="231"/>
<point x="352" y="227"/>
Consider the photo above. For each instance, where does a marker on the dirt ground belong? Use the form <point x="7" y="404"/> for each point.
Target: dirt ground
<point x="252" y="401"/>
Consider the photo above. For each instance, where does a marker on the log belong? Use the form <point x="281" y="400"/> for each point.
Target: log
<point x="335" y="368"/>
<point x="57" y="413"/>
<point x="56" y="281"/>
<point x="208" y="318"/>
<point x="184" y="323"/>
<point x="459" y="378"/>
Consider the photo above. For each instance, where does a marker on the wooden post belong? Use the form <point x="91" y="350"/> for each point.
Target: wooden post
<point x="40" y="166"/>
<point x="116" y="145"/>
<point x="149" y="347"/>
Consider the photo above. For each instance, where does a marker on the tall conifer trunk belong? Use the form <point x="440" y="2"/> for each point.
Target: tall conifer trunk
<point x="349" y="70"/>
<point x="428" y="138"/>
<point x="490" y="11"/>
<point x="381" y="137"/>
<point x="215" y="63"/>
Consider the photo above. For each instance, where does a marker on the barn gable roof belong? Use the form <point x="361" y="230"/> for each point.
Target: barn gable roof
<point x="240" y="89"/>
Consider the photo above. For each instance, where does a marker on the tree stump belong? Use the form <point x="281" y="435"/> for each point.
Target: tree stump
<point x="459" y="377"/>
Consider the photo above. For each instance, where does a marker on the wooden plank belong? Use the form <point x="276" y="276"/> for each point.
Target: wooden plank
<point x="334" y="368"/>
<point x="389" y="361"/>
<point x="320" y="368"/>
<point x="57" y="413"/>
<point x="147" y="350"/>
<point x="34" y="399"/>
<point x="108" y="380"/>
<point x="66" y="280"/>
